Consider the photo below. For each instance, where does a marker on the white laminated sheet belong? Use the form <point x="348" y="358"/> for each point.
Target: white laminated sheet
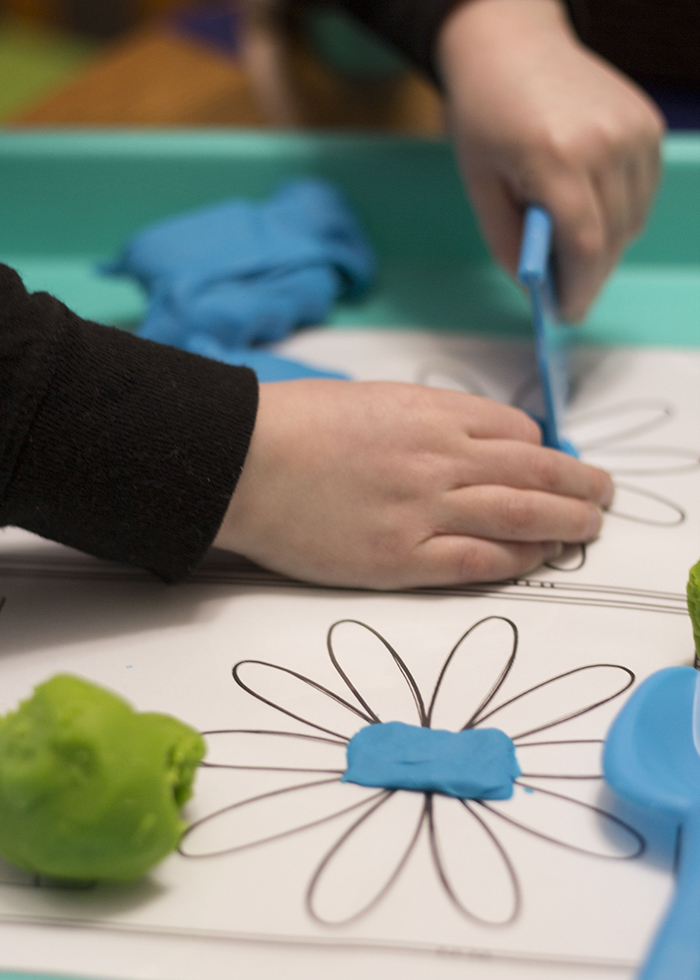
<point x="289" y="872"/>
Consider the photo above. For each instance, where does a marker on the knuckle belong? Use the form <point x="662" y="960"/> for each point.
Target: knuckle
<point x="560" y="146"/>
<point x="610" y="137"/>
<point x="573" y="147"/>
<point x="476" y="564"/>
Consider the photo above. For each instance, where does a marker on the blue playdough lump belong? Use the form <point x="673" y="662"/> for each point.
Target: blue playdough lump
<point x="227" y="278"/>
<point x="475" y="764"/>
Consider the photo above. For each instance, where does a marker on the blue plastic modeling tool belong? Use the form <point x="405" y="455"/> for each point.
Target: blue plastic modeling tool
<point x="651" y="758"/>
<point x="550" y="336"/>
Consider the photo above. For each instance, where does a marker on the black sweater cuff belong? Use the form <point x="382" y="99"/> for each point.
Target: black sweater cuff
<point x="123" y="448"/>
<point x="411" y="25"/>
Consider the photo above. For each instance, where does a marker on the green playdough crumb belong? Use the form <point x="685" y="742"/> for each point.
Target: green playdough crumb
<point x="89" y="788"/>
<point x="693" y="592"/>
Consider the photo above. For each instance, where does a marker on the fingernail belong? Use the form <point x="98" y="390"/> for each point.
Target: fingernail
<point x="553" y="549"/>
<point x="608" y="496"/>
<point x="595" y="522"/>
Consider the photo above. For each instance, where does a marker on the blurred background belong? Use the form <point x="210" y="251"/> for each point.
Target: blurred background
<point x="203" y="63"/>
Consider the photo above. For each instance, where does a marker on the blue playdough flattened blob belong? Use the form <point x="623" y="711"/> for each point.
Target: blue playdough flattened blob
<point x="476" y="764"/>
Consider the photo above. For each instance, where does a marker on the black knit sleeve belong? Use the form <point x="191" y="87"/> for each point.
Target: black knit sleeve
<point x="123" y="448"/>
<point x="410" y="25"/>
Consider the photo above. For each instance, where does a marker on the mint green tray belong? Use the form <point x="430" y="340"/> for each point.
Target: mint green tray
<point x="69" y="199"/>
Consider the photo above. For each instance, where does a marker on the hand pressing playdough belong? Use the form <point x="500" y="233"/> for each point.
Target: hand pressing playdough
<point x="89" y="788"/>
<point x="385" y="485"/>
<point x="538" y="118"/>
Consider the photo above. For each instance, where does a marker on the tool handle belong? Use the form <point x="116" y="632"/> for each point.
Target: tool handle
<point x="536" y="247"/>
<point x="675" y="954"/>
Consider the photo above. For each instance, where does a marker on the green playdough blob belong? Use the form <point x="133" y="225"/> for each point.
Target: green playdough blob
<point x="89" y="788"/>
<point x="693" y="592"/>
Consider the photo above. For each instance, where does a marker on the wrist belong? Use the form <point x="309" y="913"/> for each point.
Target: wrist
<point x="477" y="28"/>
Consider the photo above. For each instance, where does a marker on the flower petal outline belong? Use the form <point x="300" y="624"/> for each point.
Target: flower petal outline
<point x="524" y="756"/>
<point x="398" y="661"/>
<point x="347" y="835"/>
<point x="674" y="513"/>
<point x="629" y="680"/>
<point x="680" y="461"/>
<point x="449" y="886"/>
<point x="652" y="413"/>
<point x="268" y="838"/>
<point x="311" y="740"/>
<point x="452" y="659"/>
<point x="572" y="559"/>
<point x="305" y="680"/>
<point x="618" y="823"/>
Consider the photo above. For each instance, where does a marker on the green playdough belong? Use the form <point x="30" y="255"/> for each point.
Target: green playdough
<point x="89" y="788"/>
<point x="693" y="592"/>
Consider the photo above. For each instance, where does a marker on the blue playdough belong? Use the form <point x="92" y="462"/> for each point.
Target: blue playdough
<point x="232" y="276"/>
<point x="476" y="764"/>
<point x="651" y="759"/>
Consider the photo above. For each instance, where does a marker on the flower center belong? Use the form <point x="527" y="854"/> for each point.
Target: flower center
<point x="474" y="764"/>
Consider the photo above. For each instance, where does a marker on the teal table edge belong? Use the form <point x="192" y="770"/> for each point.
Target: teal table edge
<point x="71" y="198"/>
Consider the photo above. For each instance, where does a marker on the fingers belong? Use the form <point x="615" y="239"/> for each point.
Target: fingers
<point x="593" y="219"/>
<point x="599" y="196"/>
<point x="642" y="171"/>
<point x="615" y="192"/>
<point x="448" y="560"/>
<point x="550" y="123"/>
<point x="528" y="467"/>
<point x="500" y="214"/>
<point x="505" y="514"/>
<point x="581" y="244"/>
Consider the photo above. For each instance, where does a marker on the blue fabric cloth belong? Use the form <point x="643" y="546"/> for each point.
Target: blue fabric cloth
<point x="476" y="764"/>
<point x="235" y="275"/>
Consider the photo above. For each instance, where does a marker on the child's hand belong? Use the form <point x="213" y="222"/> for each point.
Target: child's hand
<point x="539" y="119"/>
<point x="385" y="485"/>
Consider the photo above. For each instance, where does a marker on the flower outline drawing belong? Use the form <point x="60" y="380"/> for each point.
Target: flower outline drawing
<point x="448" y="823"/>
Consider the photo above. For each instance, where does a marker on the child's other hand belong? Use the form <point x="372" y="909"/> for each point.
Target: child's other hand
<point x="385" y="485"/>
<point x="539" y="119"/>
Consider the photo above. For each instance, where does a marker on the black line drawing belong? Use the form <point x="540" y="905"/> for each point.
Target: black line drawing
<point x="572" y="594"/>
<point x="564" y="697"/>
<point x="621" y="458"/>
<point x="239" y="571"/>
<point x="573" y="559"/>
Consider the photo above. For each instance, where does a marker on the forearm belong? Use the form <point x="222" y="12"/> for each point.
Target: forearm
<point x="123" y="448"/>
